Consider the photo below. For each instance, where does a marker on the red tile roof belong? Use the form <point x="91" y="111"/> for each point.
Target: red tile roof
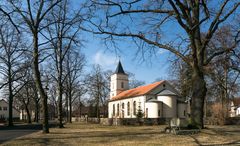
<point x="142" y="90"/>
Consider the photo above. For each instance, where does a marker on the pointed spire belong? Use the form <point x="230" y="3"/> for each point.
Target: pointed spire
<point x="119" y="68"/>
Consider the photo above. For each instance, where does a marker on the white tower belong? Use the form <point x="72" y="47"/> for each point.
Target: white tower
<point x="119" y="81"/>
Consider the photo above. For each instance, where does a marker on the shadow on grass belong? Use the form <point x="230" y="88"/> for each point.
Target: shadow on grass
<point x="236" y="143"/>
<point x="18" y="130"/>
<point x="98" y="137"/>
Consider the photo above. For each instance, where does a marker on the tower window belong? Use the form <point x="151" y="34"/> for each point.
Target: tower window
<point x="122" y="84"/>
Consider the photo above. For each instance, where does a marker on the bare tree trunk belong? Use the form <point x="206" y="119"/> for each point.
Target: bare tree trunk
<point x="10" y="96"/>
<point x="10" y="107"/>
<point x="39" y="86"/>
<point x="70" y="104"/>
<point x="198" y="97"/>
<point x="60" y="111"/>
<point x="28" y="115"/>
<point x="36" y="116"/>
<point x="70" y="109"/>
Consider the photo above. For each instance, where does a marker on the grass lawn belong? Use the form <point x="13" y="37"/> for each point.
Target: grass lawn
<point x="94" y="134"/>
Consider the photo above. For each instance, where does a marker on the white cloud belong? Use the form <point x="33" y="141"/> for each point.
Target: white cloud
<point x="106" y="60"/>
<point x="161" y="51"/>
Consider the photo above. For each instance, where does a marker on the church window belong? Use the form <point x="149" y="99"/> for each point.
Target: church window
<point x="134" y="108"/>
<point x="146" y="112"/>
<point x="128" y="108"/>
<point x="122" y="110"/>
<point x="122" y="84"/>
<point x="113" y="109"/>
<point x="118" y="109"/>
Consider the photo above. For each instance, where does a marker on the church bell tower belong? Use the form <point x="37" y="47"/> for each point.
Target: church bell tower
<point x="119" y="81"/>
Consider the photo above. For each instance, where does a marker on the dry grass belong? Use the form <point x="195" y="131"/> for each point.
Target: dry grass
<point x="93" y="134"/>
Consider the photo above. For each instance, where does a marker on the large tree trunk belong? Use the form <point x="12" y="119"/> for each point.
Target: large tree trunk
<point x="70" y="103"/>
<point x="28" y="115"/>
<point x="36" y="116"/>
<point x="60" y="111"/>
<point x="10" y="103"/>
<point x="198" y="97"/>
<point x="39" y="86"/>
<point x="70" y="109"/>
<point x="10" y="107"/>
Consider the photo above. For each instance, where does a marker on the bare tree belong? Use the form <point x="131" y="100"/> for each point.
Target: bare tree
<point x="62" y="34"/>
<point x="33" y="15"/>
<point x="192" y="19"/>
<point x="98" y="88"/>
<point x="73" y="69"/>
<point x="12" y="63"/>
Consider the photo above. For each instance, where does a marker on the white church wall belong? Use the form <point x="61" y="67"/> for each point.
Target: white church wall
<point x="152" y="109"/>
<point x="182" y="110"/>
<point x="238" y="111"/>
<point x="169" y="106"/>
<point x="123" y="112"/>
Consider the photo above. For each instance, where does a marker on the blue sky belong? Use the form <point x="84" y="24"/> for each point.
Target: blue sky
<point x="148" y="71"/>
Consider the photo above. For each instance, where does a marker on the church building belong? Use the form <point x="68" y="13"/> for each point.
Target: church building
<point x="156" y="100"/>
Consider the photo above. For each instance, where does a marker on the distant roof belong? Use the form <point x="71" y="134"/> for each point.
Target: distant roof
<point x="2" y="100"/>
<point x="166" y="92"/>
<point x="142" y="90"/>
<point x="119" y="68"/>
<point x="236" y="101"/>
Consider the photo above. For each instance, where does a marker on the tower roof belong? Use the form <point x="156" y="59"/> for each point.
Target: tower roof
<point x="119" y="68"/>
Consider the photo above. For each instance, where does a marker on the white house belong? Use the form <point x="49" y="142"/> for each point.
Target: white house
<point x="4" y="111"/>
<point x="235" y="107"/>
<point x="156" y="100"/>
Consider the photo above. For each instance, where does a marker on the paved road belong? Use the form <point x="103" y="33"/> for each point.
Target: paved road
<point x="6" y="135"/>
<point x="9" y="133"/>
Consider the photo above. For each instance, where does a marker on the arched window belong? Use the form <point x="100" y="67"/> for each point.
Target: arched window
<point x="118" y="109"/>
<point x="146" y="113"/>
<point x="134" y="108"/>
<point x="122" y="110"/>
<point x="128" y="108"/>
<point x="113" y="109"/>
